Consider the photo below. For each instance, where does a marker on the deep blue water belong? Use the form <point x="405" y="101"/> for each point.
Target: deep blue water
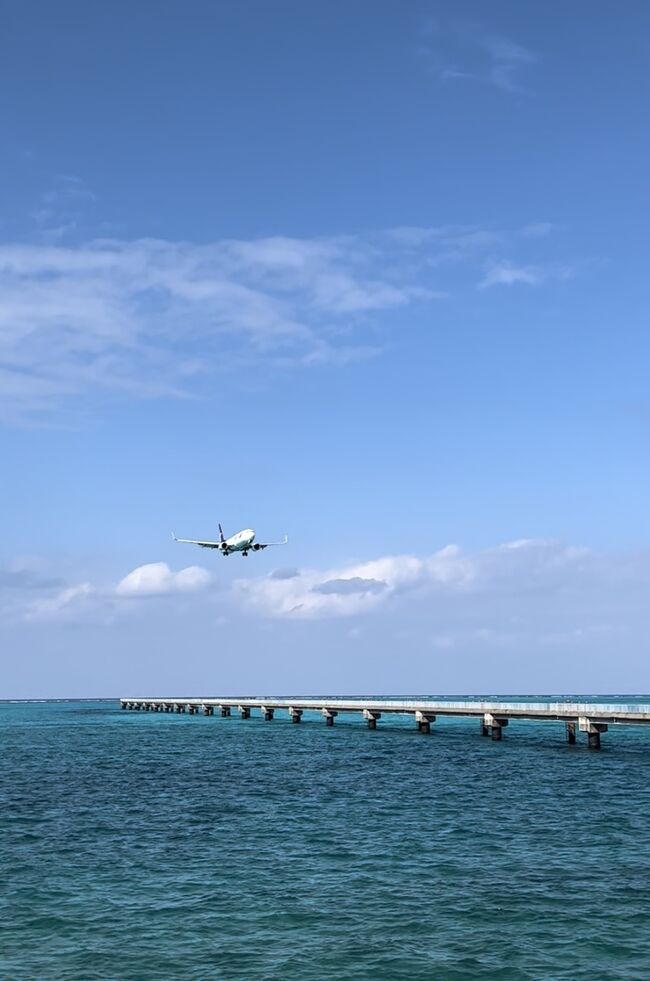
<point x="141" y="846"/>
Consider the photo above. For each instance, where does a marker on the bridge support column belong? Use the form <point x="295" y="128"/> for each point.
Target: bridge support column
<point x="208" y="709"/>
<point x="122" y="705"/>
<point x="496" y="724"/>
<point x="179" y="707"/>
<point x="244" y="711"/>
<point x="225" y="711"/>
<point x="329" y="715"/>
<point x="593" y="730"/>
<point x="371" y="718"/>
<point x="571" y="733"/>
<point x="424" y="720"/>
<point x="296" y="714"/>
<point x="267" y="713"/>
<point x="191" y="708"/>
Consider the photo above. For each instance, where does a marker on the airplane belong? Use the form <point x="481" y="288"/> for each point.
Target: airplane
<point x="243" y="541"/>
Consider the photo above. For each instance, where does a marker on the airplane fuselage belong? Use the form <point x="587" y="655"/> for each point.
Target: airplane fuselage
<point x="241" y="542"/>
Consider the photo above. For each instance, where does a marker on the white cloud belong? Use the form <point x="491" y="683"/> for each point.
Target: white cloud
<point x="60" y="209"/>
<point x="459" y="54"/>
<point x="353" y="589"/>
<point x="538" y="229"/>
<point x="506" y="60"/>
<point x="30" y="597"/>
<point x="63" y="605"/>
<point x="520" y="567"/>
<point x="144" y="317"/>
<point x="526" y="602"/>
<point x="152" y="318"/>
<point x="157" y="579"/>
<point x="507" y="274"/>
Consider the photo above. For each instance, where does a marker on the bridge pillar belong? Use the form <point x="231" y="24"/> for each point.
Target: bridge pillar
<point x="496" y="724"/>
<point x="571" y="733"/>
<point x="329" y="715"/>
<point x="225" y="711"/>
<point x="296" y="714"/>
<point x="208" y="709"/>
<point x="593" y="730"/>
<point x="191" y="708"/>
<point x="244" y="711"/>
<point x="122" y="705"/>
<point x="267" y="713"/>
<point x="179" y="707"/>
<point x="371" y="718"/>
<point x="424" y="720"/>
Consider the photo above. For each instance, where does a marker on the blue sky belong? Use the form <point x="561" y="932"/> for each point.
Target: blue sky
<point x="369" y="275"/>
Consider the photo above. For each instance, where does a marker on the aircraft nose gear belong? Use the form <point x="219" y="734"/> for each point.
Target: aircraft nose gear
<point x="245" y="554"/>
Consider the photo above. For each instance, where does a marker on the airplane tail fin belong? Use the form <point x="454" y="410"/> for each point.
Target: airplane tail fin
<point x="222" y="539"/>
<point x="174" y="538"/>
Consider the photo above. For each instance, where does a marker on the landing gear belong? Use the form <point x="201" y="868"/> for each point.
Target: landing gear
<point x="245" y="554"/>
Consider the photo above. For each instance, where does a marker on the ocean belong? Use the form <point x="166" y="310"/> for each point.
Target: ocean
<point x="140" y="846"/>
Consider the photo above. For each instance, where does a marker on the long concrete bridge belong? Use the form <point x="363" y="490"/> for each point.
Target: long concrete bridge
<point x="589" y="717"/>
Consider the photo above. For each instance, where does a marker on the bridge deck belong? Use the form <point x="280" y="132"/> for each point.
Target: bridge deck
<point x="612" y="712"/>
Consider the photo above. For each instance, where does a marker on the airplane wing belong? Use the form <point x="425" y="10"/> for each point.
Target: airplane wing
<point x="267" y="544"/>
<point x="192" y="541"/>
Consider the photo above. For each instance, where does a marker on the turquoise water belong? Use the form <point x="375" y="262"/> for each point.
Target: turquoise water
<point x="141" y="846"/>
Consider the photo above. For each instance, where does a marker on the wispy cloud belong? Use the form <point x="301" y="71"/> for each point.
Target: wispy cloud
<point x="509" y="274"/>
<point x="537" y="229"/>
<point x="153" y="318"/>
<point x="506" y="59"/>
<point x="65" y="604"/>
<point x="61" y="208"/>
<point x="458" y="53"/>
<point x="145" y="318"/>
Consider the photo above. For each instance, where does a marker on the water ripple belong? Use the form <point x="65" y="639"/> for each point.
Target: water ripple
<point x="139" y="846"/>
